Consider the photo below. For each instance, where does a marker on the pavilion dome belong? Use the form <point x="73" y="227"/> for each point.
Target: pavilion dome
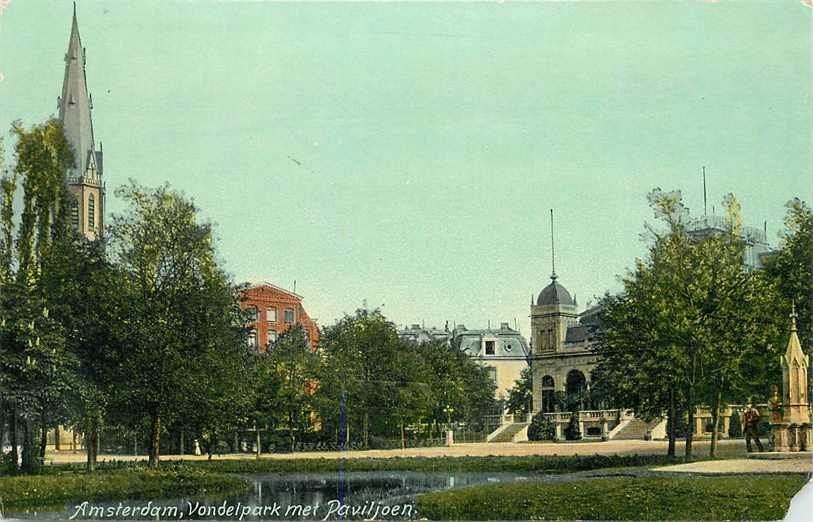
<point x="555" y="293"/>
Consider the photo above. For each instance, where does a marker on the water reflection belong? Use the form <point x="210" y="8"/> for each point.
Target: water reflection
<point x="365" y="495"/>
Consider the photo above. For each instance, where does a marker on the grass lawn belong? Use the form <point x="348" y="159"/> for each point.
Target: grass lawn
<point x="537" y="464"/>
<point x="620" y="498"/>
<point x="58" y="486"/>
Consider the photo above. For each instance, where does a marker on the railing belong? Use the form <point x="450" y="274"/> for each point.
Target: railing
<point x="718" y="222"/>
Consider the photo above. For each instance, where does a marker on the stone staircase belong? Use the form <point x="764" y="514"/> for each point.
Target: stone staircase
<point x="629" y="428"/>
<point x="507" y="432"/>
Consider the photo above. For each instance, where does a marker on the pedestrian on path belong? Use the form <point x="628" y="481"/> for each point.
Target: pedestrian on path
<point x="751" y="419"/>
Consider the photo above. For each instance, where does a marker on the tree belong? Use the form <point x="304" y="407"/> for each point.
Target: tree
<point x="82" y="287"/>
<point x="541" y="428"/>
<point x="296" y="366"/>
<point x="35" y="369"/>
<point x="693" y="323"/>
<point x="791" y="269"/>
<point x="180" y="311"/>
<point x="459" y="384"/>
<point x="520" y="395"/>
<point x="357" y="351"/>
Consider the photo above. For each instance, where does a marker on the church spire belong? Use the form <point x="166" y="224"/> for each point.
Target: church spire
<point x="75" y="106"/>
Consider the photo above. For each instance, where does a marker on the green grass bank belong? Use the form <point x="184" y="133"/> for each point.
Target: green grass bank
<point x="620" y="498"/>
<point x="532" y="464"/>
<point x="58" y="486"/>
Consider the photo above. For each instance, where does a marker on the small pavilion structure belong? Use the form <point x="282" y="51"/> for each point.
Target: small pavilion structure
<point x="790" y="422"/>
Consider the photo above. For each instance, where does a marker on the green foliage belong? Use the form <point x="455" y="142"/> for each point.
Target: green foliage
<point x="128" y="483"/>
<point x="541" y="428"/>
<point x="693" y="324"/>
<point x="619" y="498"/>
<point x="551" y="464"/>
<point x="520" y="395"/>
<point x="186" y="357"/>
<point x="388" y="386"/>
<point x="572" y="431"/>
<point x="35" y="367"/>
<point x="296" y="368"/>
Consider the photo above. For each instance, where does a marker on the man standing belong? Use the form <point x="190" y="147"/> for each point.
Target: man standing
<point x="751" y="421"/>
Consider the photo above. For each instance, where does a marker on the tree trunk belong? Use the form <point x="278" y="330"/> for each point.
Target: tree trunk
<point x="182" y="449"/>
<point x="715" y="422"/>
<point x="690" y="427"/>
<point x="92" y="423"/>
<point x="43" y="438"/>
<point x="291" y="435"/>
<point x="403" y="435"/>
<point x="671" y="422"/>
<point x="155" y="440"/>
<point x="92" y="446"/>
<point x="30" y="460"/>
<point x="13" y="438"/>
<point x="690" y="406"/>
<point x="366" y="430"/>
<point x="2" y="424"/>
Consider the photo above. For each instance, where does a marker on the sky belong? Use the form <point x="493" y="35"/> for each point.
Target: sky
<point x="406" y="155"/>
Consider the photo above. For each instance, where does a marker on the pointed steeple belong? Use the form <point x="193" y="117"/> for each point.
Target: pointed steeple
<point x="795" y="364"/>
<point x="794" y="350"/>
<point x="75" y="105"/>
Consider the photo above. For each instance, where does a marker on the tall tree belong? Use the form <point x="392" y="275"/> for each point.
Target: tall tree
<point x="35" y="369"/>
<point x="170" y="275"/>
<point x="691" y="321"/>
<point x="296" y="366"/>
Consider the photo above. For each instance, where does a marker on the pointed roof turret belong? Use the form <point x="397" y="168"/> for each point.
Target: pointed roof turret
<point x="794" y="351"/>
<point x="75" y="104"/>
<point x="796" y="407"/>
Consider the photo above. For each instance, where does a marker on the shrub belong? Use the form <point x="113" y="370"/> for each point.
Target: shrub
<point x="572" y="431"/>
<point x="541" y="428"/>
<point x="735" y="426"/>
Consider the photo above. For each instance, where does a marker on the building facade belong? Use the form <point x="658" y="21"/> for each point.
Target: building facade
<point x="502" y="350"/>
<point x="562" y="357"/>
<point x="275" y="310"/>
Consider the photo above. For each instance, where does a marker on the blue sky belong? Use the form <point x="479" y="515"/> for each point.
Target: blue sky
<point x="407" y="154"/>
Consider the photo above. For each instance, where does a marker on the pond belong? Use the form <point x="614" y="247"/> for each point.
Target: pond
<point x="314" y="496"/>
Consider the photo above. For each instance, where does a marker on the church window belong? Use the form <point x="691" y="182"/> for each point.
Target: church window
<point x="75" y="214"/>
<point x="289" y="316"/>
<point x="489" y="347"/>
<point x="91" y="212"/>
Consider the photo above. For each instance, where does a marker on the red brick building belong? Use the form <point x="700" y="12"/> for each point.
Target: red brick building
<point x="276" y="310"/>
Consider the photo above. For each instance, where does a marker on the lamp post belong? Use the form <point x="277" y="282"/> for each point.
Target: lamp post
<point x="448" y="410"/>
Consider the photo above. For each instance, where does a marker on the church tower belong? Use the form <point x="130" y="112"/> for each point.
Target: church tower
<point x="84" y="178"/>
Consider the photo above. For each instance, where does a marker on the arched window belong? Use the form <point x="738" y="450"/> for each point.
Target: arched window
<point x="575" y="389"/>
<point x="75" y="214"/>
<point x="91" y="212"/>
<point x="548" y="394"/>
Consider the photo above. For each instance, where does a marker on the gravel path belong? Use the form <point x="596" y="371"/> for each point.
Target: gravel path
<point x="743" y="466"/>
<point x="728" y="448"/>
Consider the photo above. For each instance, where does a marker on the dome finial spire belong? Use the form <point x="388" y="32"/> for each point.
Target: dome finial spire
<point x="552" y="249"/>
